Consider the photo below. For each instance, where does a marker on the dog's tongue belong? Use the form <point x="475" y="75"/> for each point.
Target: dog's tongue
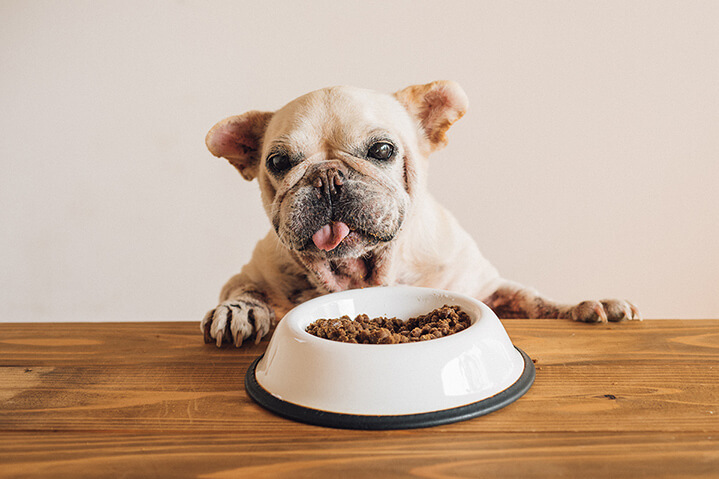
<point x="329" y="236"/>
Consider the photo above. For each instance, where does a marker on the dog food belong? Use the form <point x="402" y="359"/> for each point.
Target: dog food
<point x="435" y="324"/>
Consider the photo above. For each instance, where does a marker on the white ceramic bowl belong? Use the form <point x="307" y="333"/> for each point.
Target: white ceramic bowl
<point x="388" y="386"/>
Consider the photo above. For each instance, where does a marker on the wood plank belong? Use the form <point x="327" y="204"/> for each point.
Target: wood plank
<point x="151" y="399"/>
<point x="566" y="398"/>
<point x="52" y="344"/>
<point x="420" y="453"/>
<point x="650" y="376"/>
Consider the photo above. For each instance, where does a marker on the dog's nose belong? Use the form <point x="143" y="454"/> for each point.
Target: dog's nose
<point x="327" y="181"/>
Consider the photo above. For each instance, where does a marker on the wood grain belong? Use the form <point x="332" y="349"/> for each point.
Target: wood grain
<point x="423" y="453"/>
<point x="152" y="400"/>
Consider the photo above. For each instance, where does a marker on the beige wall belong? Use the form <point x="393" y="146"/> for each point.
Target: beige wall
<point x="585" y="166"/>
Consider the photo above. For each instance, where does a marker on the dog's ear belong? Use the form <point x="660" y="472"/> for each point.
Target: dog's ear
<point x="436" y="105"/>
<point x="239" y="139"/>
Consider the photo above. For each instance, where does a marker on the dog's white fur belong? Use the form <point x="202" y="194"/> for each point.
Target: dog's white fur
<point x="429" y="249"/>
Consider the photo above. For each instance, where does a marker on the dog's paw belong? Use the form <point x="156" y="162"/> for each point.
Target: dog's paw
<point x="235" y="320"/>
<point x="604" y="310"/>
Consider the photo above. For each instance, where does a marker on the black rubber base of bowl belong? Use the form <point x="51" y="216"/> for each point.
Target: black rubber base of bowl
<point x="407" y="421"/>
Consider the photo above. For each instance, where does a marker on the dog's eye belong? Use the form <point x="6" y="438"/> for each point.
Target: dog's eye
<point x="279" y="162"/>
<point x="380" y="151"/>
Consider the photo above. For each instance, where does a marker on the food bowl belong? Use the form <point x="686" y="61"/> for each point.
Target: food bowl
<point x="388" y="386"/>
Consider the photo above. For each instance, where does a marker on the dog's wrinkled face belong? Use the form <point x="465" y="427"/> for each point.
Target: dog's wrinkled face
<point x="332" y="171"/>
<point x="337" y="167"/>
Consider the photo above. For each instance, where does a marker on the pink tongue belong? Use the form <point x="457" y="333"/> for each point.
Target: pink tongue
<point x="329" y="236"/>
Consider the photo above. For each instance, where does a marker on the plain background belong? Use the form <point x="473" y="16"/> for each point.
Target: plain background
<point x="586" y="166"/>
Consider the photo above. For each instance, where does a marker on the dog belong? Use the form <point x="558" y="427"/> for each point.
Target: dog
<point x="342" y="173"/>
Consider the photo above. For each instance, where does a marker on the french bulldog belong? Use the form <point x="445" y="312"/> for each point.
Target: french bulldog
<point x="342" y="173"/>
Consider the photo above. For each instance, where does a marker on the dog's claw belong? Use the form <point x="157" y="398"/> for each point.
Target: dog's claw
<point x="220" y="329"/>
<point x="206" y="325"/>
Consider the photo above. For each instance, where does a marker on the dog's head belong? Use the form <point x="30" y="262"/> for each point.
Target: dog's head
<point x="338" y="168"/>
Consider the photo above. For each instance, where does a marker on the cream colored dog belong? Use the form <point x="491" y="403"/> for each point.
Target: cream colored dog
<point x="343" y="178"/>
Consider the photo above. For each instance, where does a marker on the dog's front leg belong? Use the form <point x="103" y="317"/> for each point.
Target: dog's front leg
<point x="511" y="300"/>
<point x="244" y="311"/>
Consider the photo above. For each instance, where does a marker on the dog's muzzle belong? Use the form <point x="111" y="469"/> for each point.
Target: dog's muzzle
<point x="338" y="211"/>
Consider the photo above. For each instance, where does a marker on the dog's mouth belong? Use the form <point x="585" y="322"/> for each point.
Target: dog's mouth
<point x="349" y="226"/>
<point x="343" y="258"/>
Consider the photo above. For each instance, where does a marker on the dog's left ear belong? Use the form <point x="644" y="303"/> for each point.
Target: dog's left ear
<point x="239" y="139"/>
<point x="436" y="105"/>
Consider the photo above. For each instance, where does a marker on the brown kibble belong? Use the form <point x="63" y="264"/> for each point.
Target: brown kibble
<point x="435" y="324"/>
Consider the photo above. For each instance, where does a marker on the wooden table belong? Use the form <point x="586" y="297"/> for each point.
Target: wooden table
<point x="152" y="400"/>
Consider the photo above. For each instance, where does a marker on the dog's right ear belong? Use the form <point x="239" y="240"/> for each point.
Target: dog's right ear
<point x="436" y="106"/>
<point x="239" y="139"/>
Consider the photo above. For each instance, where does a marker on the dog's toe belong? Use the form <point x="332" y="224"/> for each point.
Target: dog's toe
<point x="613" y="310"/>
<point x="619" y="310"/>
<point x="589" y="312"/>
